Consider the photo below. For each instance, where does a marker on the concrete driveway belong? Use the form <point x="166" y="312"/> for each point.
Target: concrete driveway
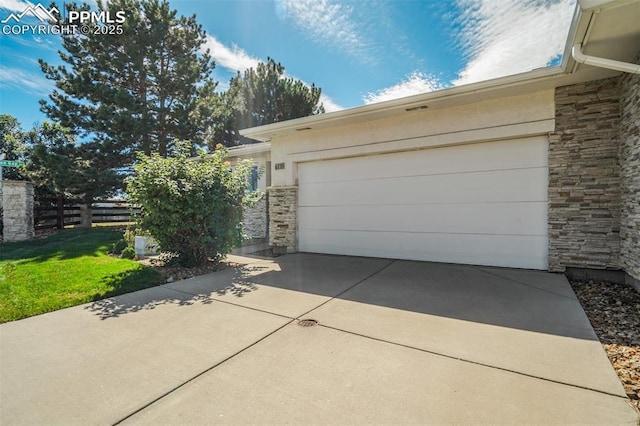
<point x="397" y="342"/>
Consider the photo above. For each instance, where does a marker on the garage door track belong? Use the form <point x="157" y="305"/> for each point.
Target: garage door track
<point x="395" y="342"/>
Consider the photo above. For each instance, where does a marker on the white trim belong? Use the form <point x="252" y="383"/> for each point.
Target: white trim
<point x="597" y="4"/>
<point x="466" y="137"/>
<point x="594" y="61"/>
<point x="248" y="150"/>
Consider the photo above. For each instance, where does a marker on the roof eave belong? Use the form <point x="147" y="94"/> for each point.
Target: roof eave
<point x="248" y="150"/>
<point x="264" y="133"/>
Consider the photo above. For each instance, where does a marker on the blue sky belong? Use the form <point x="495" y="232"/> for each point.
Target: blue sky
<point x="358" y="52"/>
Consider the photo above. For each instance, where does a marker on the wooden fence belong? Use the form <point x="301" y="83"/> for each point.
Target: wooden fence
<point x="60" y="212"/>
<point x="109" y="211"/>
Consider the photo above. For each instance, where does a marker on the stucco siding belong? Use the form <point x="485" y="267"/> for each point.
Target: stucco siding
<point x="506" y="118"/>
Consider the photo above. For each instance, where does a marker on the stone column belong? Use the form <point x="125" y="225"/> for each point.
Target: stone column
<point x="255" y="220"/>
<point x="283" y="218"/>
<point x="17" y="210"/>
<point x="584" y="177"/>
<point x="630" y="176"/>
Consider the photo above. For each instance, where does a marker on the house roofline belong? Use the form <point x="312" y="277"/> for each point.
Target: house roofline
<point x="248" y="150"/>
<point x="537" y="79"/>
<point x="409" y="103"/>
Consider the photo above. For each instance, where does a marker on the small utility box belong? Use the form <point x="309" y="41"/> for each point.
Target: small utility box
<point x="145" y="246"/>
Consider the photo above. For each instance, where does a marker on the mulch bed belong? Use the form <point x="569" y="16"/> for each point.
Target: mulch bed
<point x="614" y="312"/>
<point x="172" y="273"/>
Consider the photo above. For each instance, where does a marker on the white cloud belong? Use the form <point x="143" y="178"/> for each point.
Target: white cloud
<point x="413" y="84"/>
<point x="327" y="22"/>
<point x="503" y="37"/>
<point x="329" y="105"/>
<point x="17" y="79"/>
<point x="15" y="5"/>
<point x="232" y="58"/>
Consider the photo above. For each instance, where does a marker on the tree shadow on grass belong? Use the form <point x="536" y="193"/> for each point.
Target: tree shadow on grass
<point x="129" y="281"/>
<point x="67" y="244"/>
<point x="125" y="297"/>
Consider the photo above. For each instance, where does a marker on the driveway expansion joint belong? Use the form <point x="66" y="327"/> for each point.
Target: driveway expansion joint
<point x="200" y="374"/>
<point x="468" y="361"/>
<point x="391" y="262"/>
<point x="522" y="283"/>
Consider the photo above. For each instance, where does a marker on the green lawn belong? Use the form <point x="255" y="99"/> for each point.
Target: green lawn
<point x="66" y="269"/>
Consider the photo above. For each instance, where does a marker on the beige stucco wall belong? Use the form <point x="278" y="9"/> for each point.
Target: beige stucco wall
<point x="510" y="117"/>
<point x="261" y="160"/>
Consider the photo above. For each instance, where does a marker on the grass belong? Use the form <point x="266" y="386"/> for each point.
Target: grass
<point x="65" y="269"/>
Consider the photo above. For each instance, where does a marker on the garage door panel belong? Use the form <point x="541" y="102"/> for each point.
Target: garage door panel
<point x="493" y="250"/>
<point x="494" y="186"/>
<point x="499" y="155"/>
<point x="467" y="218"/>
<point x="482" y="204"/>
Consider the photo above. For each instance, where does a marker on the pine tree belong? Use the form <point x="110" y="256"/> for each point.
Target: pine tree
<point x="263" y="96"/>
<point x="12" y="144"/>
<point x="58" y="165"/>
<point x="137" y="91"/>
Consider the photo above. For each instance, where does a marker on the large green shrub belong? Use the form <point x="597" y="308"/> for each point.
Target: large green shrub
<point x="192" y="206"/>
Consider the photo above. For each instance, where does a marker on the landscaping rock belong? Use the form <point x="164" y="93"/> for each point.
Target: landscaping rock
<point x="614" y="312"/>
<point x="172" y="273"/>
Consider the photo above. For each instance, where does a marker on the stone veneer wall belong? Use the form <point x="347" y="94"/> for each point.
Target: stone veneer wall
<point x="17" y="210"/>
<point x="630" y="174"/>
<point x="584" y="177"/>
<point x="255" y="220"/>
<point x="283" y="207"/>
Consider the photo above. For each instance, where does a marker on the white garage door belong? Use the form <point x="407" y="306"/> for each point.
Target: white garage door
<point x="483" y="204"/>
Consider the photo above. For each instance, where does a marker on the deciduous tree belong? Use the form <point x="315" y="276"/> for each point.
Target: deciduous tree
<point x="192" y="207"/>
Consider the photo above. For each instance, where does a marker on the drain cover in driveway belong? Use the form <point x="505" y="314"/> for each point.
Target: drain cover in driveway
<point x="307" y="323"/>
